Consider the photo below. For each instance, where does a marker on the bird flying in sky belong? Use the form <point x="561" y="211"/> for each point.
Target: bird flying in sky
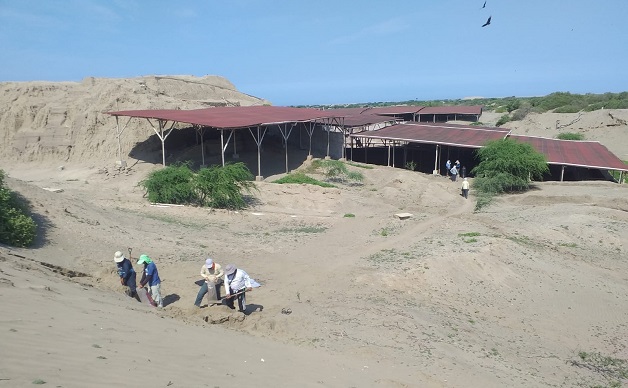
<point x="484" y="6"/>
<point x="487" y="22"/>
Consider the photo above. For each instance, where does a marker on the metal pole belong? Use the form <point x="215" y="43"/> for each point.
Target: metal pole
<point x="328" y="157"/>
<point x="562" y="173"/>
<point x="286" y="144"/>
<point x="344" y="140"/>
<point x="163" y="142"/>
<point x="436" y="159"/>
<point x="222" y="146"/>
<point x="259" y="158"/>
<point x="202" y="131"/>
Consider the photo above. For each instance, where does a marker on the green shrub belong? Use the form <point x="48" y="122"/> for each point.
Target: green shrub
<point x="512" y="104"/>
<point x="17" y="228"/>
<point x="570" y="136"/>
<point x="482" y="200"/>
<point x="214" y="186"/>
<point x="502" y="120"/>
<point x="301" y="178"/>
<point x="506" y="166"/>
<point x="171" y="184"/>
<point x="569" y="109"/>
<point x="222" y="187"/>
<point x="522" y="111"/>
<point x="337" y="170"/>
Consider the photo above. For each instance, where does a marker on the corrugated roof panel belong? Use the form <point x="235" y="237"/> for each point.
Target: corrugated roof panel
<point x="462" y="136"/>
<point x="578" y="153"/>
<point x="457" y="109"/>
<point x="229" y="117"/>
<point x="366" y="119"/>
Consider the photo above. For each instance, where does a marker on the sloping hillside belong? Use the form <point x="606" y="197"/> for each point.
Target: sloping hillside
<point x="41" y="121"/>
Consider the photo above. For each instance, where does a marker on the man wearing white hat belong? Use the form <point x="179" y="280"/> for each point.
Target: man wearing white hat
<point x="126" y="273"/>
<point x="237" y="283"/>
<point x="213" y="274"/>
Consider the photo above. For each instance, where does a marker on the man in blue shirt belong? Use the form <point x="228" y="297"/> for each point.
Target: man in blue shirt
<point x="126" y="273"/>
<point x="151" y="277"/>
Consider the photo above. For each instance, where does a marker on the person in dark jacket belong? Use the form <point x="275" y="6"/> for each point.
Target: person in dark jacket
<point x="126" y="273"/>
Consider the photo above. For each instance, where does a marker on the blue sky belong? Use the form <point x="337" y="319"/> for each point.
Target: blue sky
<point x="295" y="52"/>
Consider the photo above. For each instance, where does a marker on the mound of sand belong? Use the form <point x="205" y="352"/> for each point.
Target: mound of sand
<point x="65" y="121"/>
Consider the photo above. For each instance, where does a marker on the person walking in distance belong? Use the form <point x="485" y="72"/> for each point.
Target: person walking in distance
<point x="454" y="173"/>
<point x="212" y="273"/>
<point x="151" y="278"/>
<point x="465" y="188"/>
<point x="447" y="167"/>
<point x="237" y="283"/>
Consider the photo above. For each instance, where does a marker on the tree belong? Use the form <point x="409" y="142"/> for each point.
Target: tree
<point x="507" y="165"/>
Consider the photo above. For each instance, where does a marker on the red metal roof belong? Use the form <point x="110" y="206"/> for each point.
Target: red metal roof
<point x="229" y="117"/>
<point x="450" y="134"/>
<point x="457" y="109"/>
<point x="393" y="110"/>
<point x="577" y="153"/>
<point x="340" y="112"/>
<point x="366" y="119"/>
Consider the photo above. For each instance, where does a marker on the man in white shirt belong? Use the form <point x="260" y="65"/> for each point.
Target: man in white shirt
<point x="465" y="188"/>
<point x="237" y="282"/>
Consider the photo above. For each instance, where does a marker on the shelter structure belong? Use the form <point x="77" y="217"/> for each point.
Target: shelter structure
<point x="413" y="127"/>
<point x="436" y="135"/>
<point x="446" y="113"/>
<point x="575" y="153"/>
<point x="255" y="119"/>
<point x="561" y="153"/>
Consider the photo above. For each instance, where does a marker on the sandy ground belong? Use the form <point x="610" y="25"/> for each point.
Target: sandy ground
<point x="448" y="297"/>
<point x="505" y="297"/>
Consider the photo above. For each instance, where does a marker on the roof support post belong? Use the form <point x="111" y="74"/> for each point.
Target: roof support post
<point x="285" y="133"/>
<point x="119" y="134"/>
<point x="310" y="131"/>
<point x="388" y="163"/>
<point x="223" y="144"/>
<point x="258" y="140"/>
<point x="344" y="138"/>
<point x="328" y="129"/>
<point x="201" y="131"/>
<point x="394" y="146"/>
<point x="163" y="135"/>
<point x="621" y="177"/>
<point x="351" y="154"/>
<point x="562" y="173"/>
<point x="436" y="158"/>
